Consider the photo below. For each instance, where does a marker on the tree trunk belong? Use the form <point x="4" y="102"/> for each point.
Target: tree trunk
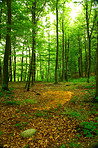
<point x="0" y="72"/>
<point x="79" y="58"/>
<point x="86" y="59"/>
<point x="96" y="95"/>
<point x="31" y="67"/>
<point x="0" y="22"/>
<point x="10" y="66"/>
<point x="56" y="66"/>
<point x="7" y="48"/>
<point x="62" y="51"/>
<point x="48" y="57"/>
<point x="89" y="67"/>
<point x="66" y="77"/>
<point x="22" y="65"/>
<point x="14" y="68"/>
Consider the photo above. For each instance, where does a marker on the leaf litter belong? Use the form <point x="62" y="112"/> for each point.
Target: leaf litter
<point x="50" y="115"/>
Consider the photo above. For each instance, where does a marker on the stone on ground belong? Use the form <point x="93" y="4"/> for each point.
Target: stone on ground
<point x="28" y="133"/>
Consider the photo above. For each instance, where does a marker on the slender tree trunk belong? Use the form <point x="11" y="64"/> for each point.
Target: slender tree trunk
<point x="96" y="95"/>
<point x="22" y="65"/>
<point x="62" y="51"/>
<point x="66" y="77"/>
<point x="0" y="72"/>
<point x="81" y="62"/>
<point x="26" y="65"/>
<point x="79" y="58"/>
<point x="89" y="41"/>
<point x="89" y="67"/>
<point x="48" y="57"/>
<point x="0" y="22"/>
<point x="31" y="67"/>
<point x="86" y="59"/>
<point x="7" y="48"/>
<point x="34" y="66"/>
<point x="10" y="66"/>
<point x="56" y="66"/>
<point x="14" y="70"/>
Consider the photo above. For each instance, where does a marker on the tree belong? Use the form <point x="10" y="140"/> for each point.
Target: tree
<point x="96" y="94"/>
<point x="89" y="31"/>
<point x="56" y="66"/>
<point x="7" y="47"/>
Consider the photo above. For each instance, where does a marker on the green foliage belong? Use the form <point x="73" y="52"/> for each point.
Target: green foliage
<point x="40" y="114"/>
<point x="59" y="105"/>
<point x="17" y="111"/>
<point x="89" y="128"/>
<point x="78" y="135"/>
<point x="31" y="101"/>
<point x="0" y="133"/>
<point x="18" y="102"/>
<point x="1" y="94"/>
<point x="26" y="146"/>
<point x="73" y="101"/>
<point x="12" y="102"/>
<point x="27" y="116"/>
<point x="92" y="79"/>
<point x="90" y="86"/>
<point x="74" y="145"/>
<point x="59" y="128"/>
<point x="70" y="112"/>
<point x="21" y="125"/>
<point x="63" y="146"/>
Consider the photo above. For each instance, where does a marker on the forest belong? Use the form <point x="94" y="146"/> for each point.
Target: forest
<point x="48" y="73"/>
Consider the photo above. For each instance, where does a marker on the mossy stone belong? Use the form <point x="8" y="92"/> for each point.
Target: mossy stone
<point x="28" y="133"/>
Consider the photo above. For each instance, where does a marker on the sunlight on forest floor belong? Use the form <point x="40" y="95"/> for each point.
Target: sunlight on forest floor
<point x="55" y="111"/>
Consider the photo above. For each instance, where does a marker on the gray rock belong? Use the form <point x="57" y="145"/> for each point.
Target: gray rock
<point x="28" y="133"/>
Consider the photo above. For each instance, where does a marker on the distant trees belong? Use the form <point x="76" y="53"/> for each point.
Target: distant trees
<point x="46" y="51"/>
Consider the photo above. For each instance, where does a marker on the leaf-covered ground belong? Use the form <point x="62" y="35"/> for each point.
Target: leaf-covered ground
<point x="62" y="114"/>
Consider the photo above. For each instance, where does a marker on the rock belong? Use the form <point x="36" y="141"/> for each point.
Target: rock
<point x="28" y="133"/>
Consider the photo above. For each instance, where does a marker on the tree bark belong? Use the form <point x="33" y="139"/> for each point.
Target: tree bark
<point x="48" y="57"/>
<point x="22" y="65"/>
<point x="31" y="67"/>
<point x="62" y="51"/>
<point x="66" y="63"/>
<point x="86" y="59"/>
<point x="0" y="72"/>
<point x="56" y="66"/>
<point x="96" y="95"/>
<point x="14" y="68"/>
<point x="7" y="48"/>
<point x="0" y="22"/>
<point x="10" y="66"/>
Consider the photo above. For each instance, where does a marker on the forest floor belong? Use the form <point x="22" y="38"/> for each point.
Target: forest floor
<point x="62" y="114"/>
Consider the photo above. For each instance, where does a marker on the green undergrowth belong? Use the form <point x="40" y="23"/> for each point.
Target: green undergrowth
<point x="0" y="133"/>
<point x="18" y="102"/>
<point x="88" y="129"/>
<point x="92" y="79"/>
<point x="21" y="125"/>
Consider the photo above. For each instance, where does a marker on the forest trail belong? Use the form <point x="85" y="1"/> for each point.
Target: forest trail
<point x="55" y="111"/>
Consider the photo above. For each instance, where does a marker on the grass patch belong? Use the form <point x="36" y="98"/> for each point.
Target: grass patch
<point x="12" y="102"/>
<point x="31" y="101"/>
<point x="18" y="102"/>
<point x="80" y="115"/>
